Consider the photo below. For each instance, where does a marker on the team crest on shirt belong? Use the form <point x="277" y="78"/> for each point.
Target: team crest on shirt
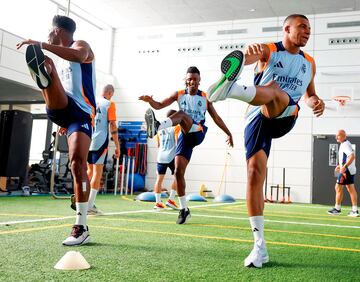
<point x="303" y="68"/>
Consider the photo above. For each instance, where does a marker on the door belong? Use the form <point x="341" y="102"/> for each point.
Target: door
<point x="325" y="159"/>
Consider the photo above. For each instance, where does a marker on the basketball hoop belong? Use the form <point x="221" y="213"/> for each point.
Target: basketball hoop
<point x="341" y="99"/>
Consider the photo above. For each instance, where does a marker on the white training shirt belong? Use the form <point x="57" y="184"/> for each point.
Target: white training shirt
<point x="167" y="139"/>
<point x="345" y="151"/>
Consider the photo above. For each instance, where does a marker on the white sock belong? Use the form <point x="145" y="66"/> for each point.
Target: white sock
<point x="158" y="197"/>
<point x="81" y="213"/>
<point x="257" y="227"/>
<point x="242" y="93"/>
<point x="165" y="124"/>
<point x="92" y="197"/>
<point x="338" y="207"/>
<point x="172" y="194"/>
<point x="182" y="201"/>
<point x="354" y="208"/>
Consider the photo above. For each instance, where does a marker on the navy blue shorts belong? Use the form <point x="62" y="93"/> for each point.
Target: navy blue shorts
<point x="73" y="118"/>
<point x="99" y="156"/>
<point x="187" y="142"/>
<point x="261" y="130"/>
<point x="345" y="178"/>
<point x="161" y="167"/>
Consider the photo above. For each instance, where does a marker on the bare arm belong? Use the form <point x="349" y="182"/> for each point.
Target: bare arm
<point x="349" y="160"/>
<point x="115" y="137"/>
<point x="256" y="52"/>
<point x="79" y="52"/>
<point x="159" y="105"/>
<point x="220" y="123"/>
<point x="312" y="100"/>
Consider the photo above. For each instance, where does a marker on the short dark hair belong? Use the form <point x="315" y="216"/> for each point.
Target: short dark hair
<point x="109" y="87"/>
<point x="193" y="70"/>
<point x="65" y="23"/>
<point x="294" y="16"/>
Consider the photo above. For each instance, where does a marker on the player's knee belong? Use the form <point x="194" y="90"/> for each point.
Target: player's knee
<point x="179" y="172"/>
<point x="254" y="173"/>
<point x="78" y="167"/>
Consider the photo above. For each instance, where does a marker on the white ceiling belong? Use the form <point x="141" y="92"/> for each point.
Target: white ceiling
<point x="137" y="13"/>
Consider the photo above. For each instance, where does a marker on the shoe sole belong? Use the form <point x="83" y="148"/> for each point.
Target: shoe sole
<point x="172" y="206"/>
<point x="35" y="60"/>
<point x="159" y="209"/>
<point x="150" y="123"/>
<point x="85" y="241"/>
<point x="353" y="215"/>
<point x="264" y="261"/>
<point x="186" y="220"/>
<point x="334" y="213"/>
<point x="231" y="67"/>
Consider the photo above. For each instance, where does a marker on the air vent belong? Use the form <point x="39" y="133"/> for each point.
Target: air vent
<point x="189" y="34"/>
<point x="231" y="31"/>
<point x="227" y="47"/>
<point x="343" y="24"/>
<point x="149" y="51"/>
<point x="272" y="28"/>
<point x="189" y="49"/>
<point x="344" y="40"/>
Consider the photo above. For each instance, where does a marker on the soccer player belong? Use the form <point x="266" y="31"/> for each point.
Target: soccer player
<point x="68" y="91"/>
<point x="283" y="74"/>
<point x="347" y="171"/>
<point x="193" y="105"/>
<point x="105" y="120"/>
<point x="166" y="140"/>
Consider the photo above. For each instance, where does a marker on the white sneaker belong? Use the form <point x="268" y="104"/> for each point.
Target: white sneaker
<point x="257" y="257"/>
<point x="94" y="211"/>
<point x="353" y="213"/>
<point x="231" y="67"/>
<point x="79" y="236"/>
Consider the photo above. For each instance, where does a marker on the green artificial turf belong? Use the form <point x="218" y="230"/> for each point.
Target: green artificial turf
<point x="304" y="243"/>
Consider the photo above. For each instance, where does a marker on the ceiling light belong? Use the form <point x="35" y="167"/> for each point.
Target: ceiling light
<point x="252" y="10"/>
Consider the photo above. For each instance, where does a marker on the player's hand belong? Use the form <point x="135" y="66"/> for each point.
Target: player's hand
<point x="319" y="108"/>
<point x="27" y="42"/>
<point x="343" y="169"/>
<point x="117" y="153"/>
<point x="62" y="131"/>
<point x="337" y="168"/>
<point x="230" y="141"/>
<point x="146" y="98"/>
<point x="254" y="49"/>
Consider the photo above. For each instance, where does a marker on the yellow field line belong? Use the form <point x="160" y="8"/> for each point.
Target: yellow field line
<point x="225" y="238"/>
<point x="230" y="227"/>
<point x="183" y="235"/>
<point x="127" y="199"/>
<point x="33" y="229"/>
<point x="330" y="217"/>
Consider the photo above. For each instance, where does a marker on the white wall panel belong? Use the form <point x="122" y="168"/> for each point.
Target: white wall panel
<point x="161" y="74"/>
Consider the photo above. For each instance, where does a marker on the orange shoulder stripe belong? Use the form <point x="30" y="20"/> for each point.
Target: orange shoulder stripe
<point x="272" y="48"/>
<point x="311" y="61"/>
<point x="180" y="92"/>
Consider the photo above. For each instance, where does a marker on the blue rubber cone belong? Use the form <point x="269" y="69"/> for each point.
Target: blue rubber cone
<point x="223" y="198"/>
<point x="146" y="197"/>
<point x="195" y="197"/>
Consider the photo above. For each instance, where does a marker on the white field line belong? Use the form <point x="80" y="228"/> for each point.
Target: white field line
<point x="172" y="213"/>
<point x="270" y="220"/>
<point x="108" y="213"/>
